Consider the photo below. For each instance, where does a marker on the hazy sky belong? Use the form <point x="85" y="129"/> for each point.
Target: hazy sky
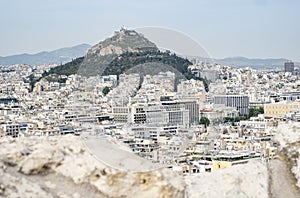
<point x="251" y="28"/>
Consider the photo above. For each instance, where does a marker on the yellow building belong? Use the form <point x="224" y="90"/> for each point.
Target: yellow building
<point x="217" y="165"/>
<point x="280" y="109"/>
<point x="223" y="161"/>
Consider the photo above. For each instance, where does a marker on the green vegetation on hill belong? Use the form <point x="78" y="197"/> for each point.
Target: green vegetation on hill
<point x="66" y="69"/>
<point x="125" y="52"/>
<point x="129" y="60"/>
<point x="125" y="62"/>
<point x="32" y="80"/>
<point x="53" y="74"/>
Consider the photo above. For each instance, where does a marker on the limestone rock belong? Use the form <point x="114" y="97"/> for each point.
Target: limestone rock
<point x="249" y="180"/>
<point x="288" y="135"/>
<point x="62" y="166"/>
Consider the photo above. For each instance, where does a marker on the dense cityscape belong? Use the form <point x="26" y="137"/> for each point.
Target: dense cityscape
<point x="181" y="126"/>
<point x="150" y="99"/>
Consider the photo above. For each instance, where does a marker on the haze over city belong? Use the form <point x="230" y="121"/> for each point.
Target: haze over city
<point x="250" y="28"/>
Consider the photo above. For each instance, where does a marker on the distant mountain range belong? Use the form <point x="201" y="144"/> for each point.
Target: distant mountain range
<point x="62" y="55"/>
<point x="255" y="63"/>
<point x="115" y="46"/>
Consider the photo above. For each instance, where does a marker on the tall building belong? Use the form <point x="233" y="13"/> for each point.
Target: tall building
<point x="137" y="114"/>
<point x="240" y="102"/>
<point x="177" y="113"/>
<point x="289" y="66"/>
<point x="190" y="105"/>
<point x="155" y="114"/>
<point x="193" y="109"/>
<point x="120" y="114"/>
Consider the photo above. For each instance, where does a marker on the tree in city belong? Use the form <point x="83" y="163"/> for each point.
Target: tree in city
<point x="253" y="112"/>
<point x="105" y="90"/>
<point x="205" y="121"/>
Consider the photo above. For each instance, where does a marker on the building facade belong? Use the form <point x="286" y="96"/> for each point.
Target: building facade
<point x="289" y="66"/>
<point x="240" y="102"/>
<point x="281" y="109"/>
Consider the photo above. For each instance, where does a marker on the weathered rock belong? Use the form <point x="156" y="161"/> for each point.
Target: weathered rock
<point x="15" y="186"/>
<point x="64" y="167"/>
<point x="249" y="180"/>
<point x="34" y="161"/>
<point x="44" y="157"/>
<point x="288" y="135"/>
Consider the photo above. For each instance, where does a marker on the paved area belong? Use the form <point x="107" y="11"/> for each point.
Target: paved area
<point x="114" y="156"/>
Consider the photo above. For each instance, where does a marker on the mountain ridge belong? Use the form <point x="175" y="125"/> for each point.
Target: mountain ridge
<point x="100" y="55"/>
<point x="126" y="51"/>
<point x="242" y="62"/>
<point x="235" y="61"/>
<point x="61" y="55"/>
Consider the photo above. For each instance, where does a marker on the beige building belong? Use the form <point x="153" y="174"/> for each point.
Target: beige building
<point x="280" y="109"/>
<point x="227" y="160"/>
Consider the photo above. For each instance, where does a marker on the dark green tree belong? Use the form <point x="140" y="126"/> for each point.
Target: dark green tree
<point x="205" y="121"/>
<point x="105" y="90"/>
<point x="253" y="112"/>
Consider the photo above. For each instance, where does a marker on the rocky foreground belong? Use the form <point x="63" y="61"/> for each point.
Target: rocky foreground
<point x="64" y="167"/>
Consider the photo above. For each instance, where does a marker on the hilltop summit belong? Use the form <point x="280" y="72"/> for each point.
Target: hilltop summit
<point x="99" y="56"/>
<point x="122" y="41"/>
<point x="125" y="50"/>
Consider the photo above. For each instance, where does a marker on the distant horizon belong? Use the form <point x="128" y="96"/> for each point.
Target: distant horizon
<point x="249" y="28"/>
<point x="237" y="56"/>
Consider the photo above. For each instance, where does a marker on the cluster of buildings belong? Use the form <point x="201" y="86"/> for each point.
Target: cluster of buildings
<point x="158" y="116"/>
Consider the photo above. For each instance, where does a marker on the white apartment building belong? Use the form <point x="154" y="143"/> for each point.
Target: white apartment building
<point x="10" y="129"/>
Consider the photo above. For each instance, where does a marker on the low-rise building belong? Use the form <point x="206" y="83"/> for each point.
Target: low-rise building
<point x="281" y="109"/>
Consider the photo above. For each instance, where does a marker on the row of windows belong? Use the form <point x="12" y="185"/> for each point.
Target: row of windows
<point x="276" y="112"/>
<point x="280" y="107"/>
